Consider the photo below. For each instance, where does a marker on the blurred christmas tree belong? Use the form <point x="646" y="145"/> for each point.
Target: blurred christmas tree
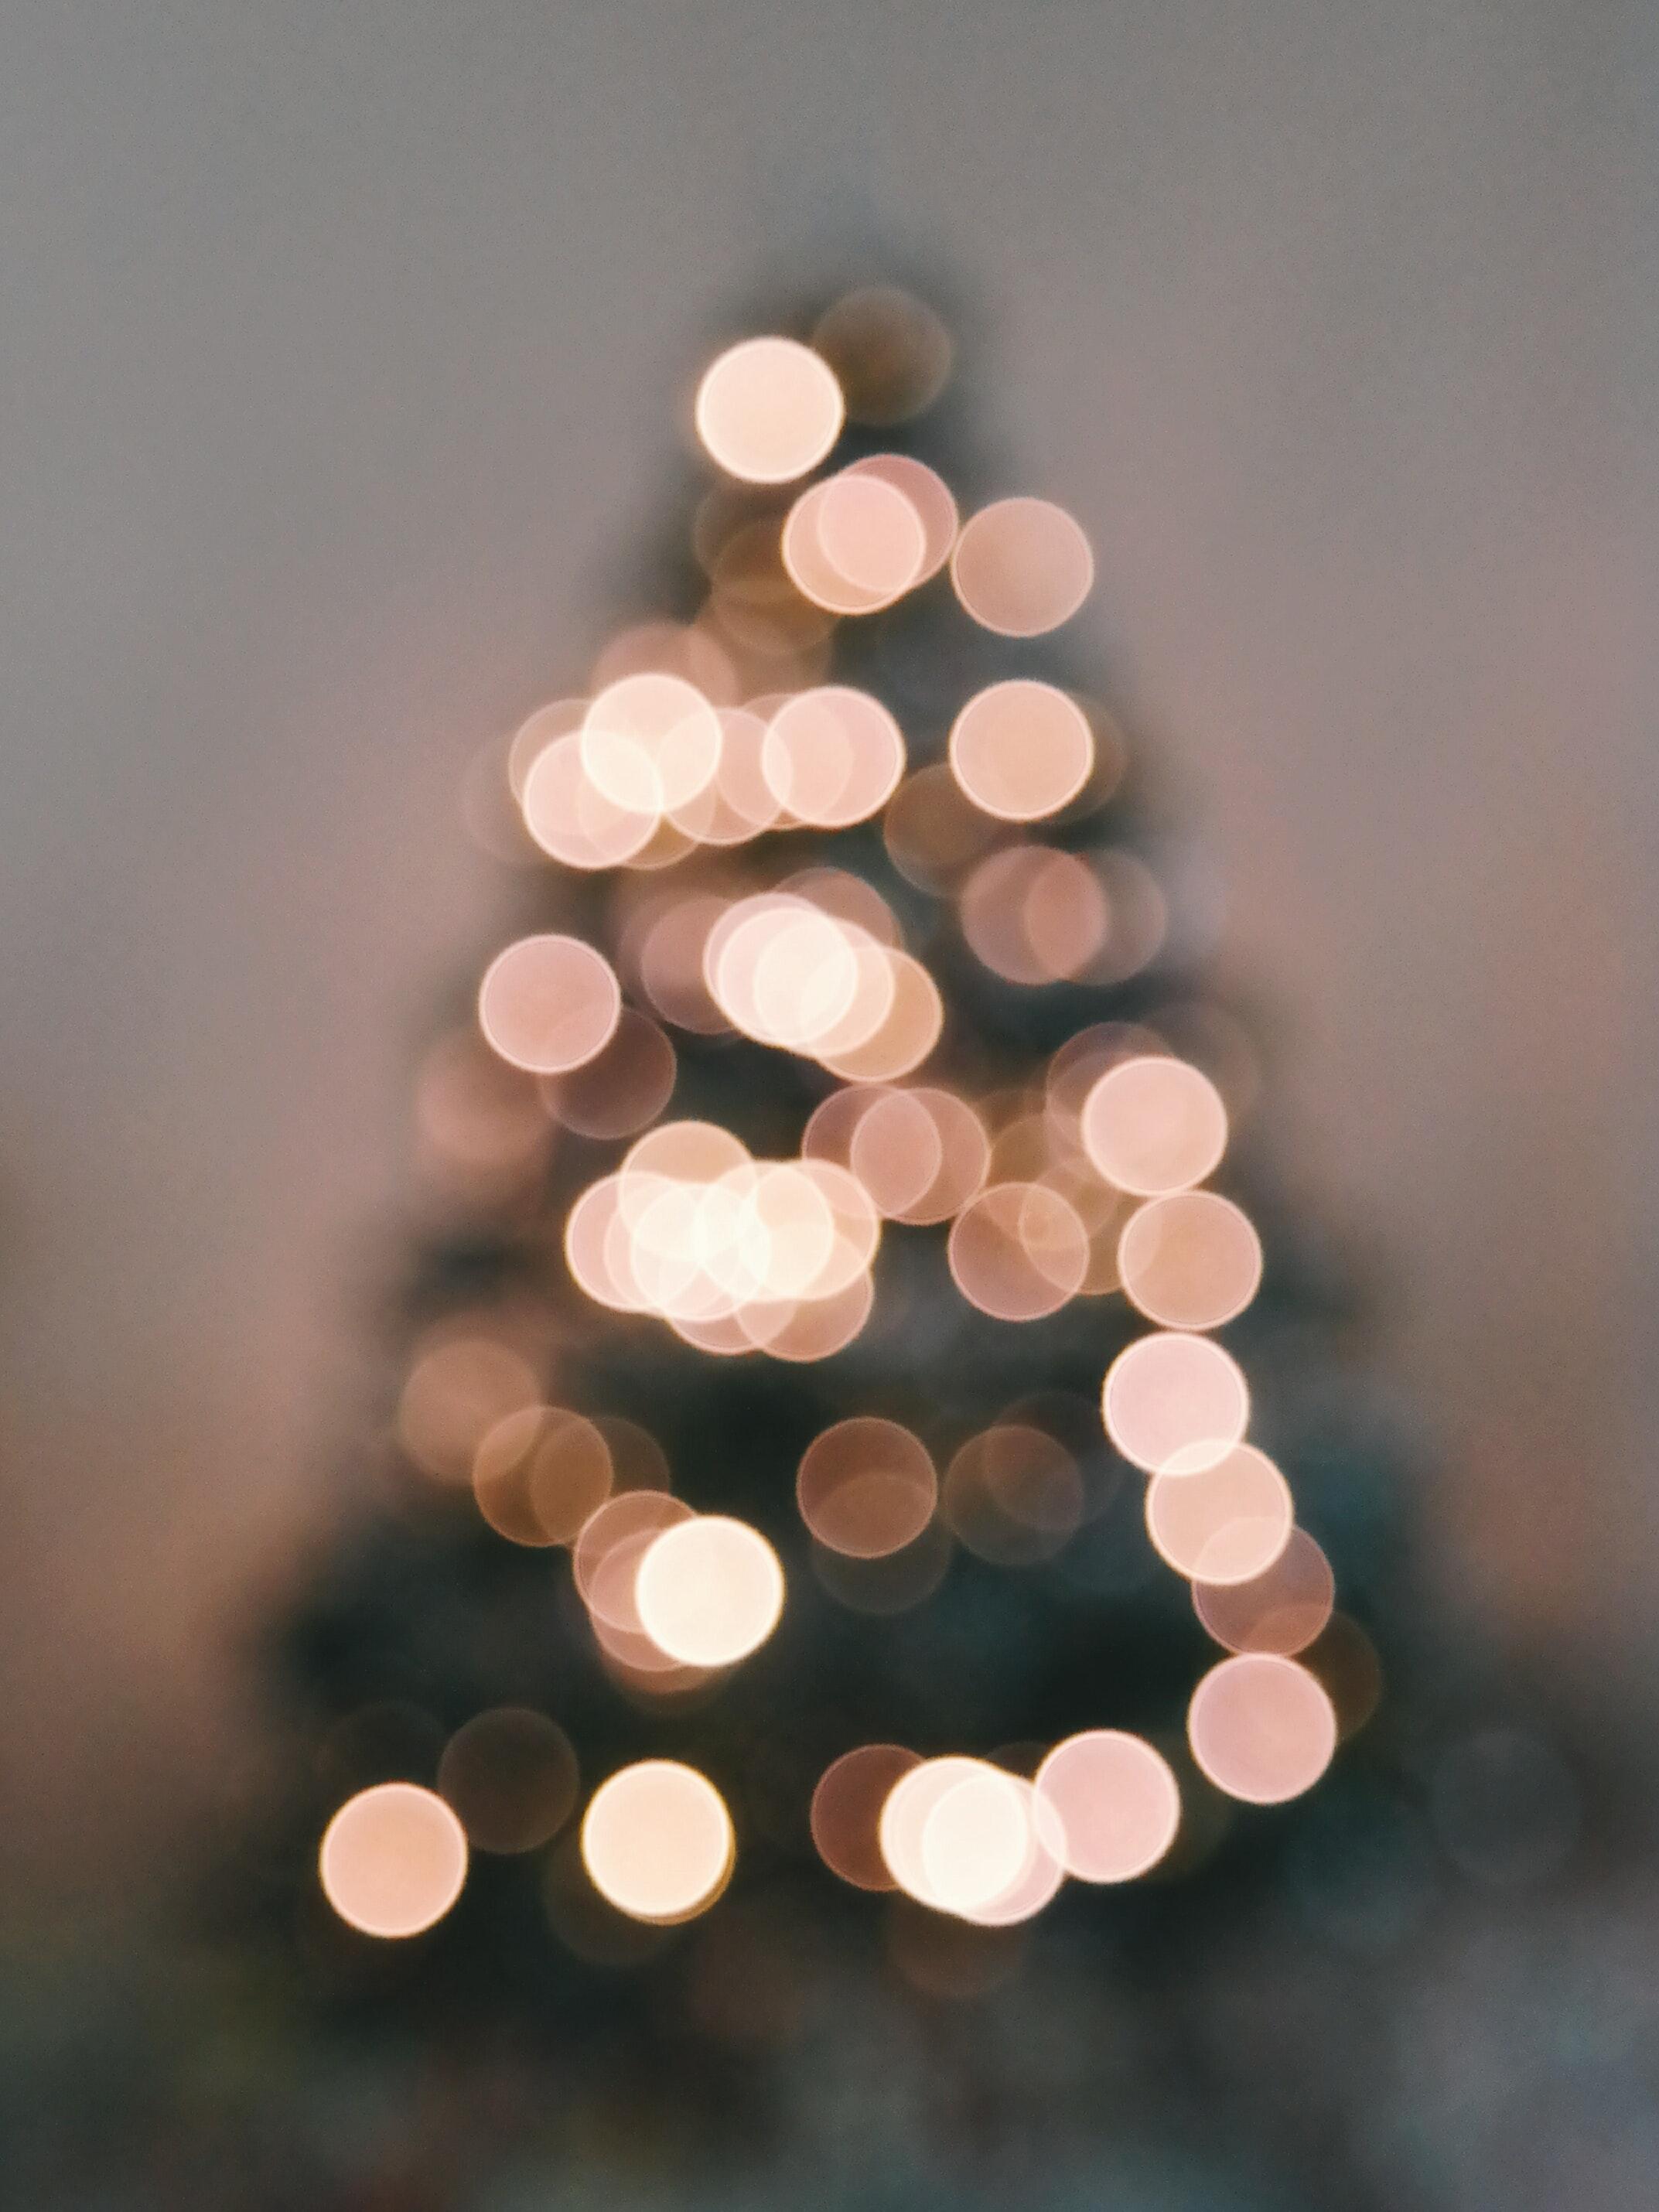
<point x="761" y="1688"/>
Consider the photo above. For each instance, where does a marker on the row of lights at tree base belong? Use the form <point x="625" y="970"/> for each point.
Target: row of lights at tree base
<point x="962" y="1835"/>
<point x="705" y="737"/>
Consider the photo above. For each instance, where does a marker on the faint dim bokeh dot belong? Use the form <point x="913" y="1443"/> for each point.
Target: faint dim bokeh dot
<point x="1343" y="1660"/>
<point x="768" y="410"/>
<point x="1021" y="749"/>
<point x="1175" y="1403"/>
<point x="548" y="1003"/>
<point x="393" y="1860"/>
<point x="1261" y="1728"/>
<point x="1022" y="567"/>
<point x="1117" y="1803"/>
<point x="1034" y="915"/>
<point x="389" y="1741"/>
<point x="638" y="1462"/>
<point x="657" y="1841"/>
<point x="889" y="1585"/>
<point x="1281" y="1610"/>
<point x="1506" y="1808"/>
<point x="933" y="831"/>
<point x="480" y="1123"/>
<point x="950" y="1959"/>
<point x="1013" y="1494"/>
<point x="866" y="1487"/>
<point x="456" y="1391"/>
<point x="846" y="1812"/>
<point x="1190" y="1260"/>
<point x="1138" y="916"/>
<point x="890" y="352"/>
<point x="539" y="1474"/>
<point x="710" y="1591"/>
<point x="1017" y="1252"/>
<point x="667" y="648"/>
<point x="510" y="1776"/>
<point x="1225" y="1523"/>
<point x="752" y="1973"/>
<point x="625" y="1085"/>
<point x="1154" y="1125"/>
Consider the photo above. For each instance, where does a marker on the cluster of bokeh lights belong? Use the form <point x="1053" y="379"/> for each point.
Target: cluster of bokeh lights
<point x="716" y="738"/>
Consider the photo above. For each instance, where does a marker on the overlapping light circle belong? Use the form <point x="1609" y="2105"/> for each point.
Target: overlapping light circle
<point x="735" y="1254"/>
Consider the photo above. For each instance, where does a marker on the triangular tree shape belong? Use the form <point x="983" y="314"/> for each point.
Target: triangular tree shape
<point x="849" y="1112"/>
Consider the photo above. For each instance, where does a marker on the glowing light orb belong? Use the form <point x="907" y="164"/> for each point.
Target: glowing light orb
<point x="871" y="534"/>
<point x="895" y="1150"/>
<point x="573" y="820"/>
<point x="1225" y="1523"/>
<point x="1261" y="1728"/>
<point x="1117" y="1802"/>
<point x="1174" y="1403"/>
<point x="768" y="410"/>
<point x="975" y="1841"/>
<point x="1022" y="567"/>
<point x="1152" y="1125"/>
<point x="710" y="1591"/>
<point x="658" y="1842"/>
<point x="548" y="1004"/>
<point x="832" y="756"/>
<point x="930" y="500"/>
<point x="393" y="1859"/>
<point x="651" y="743"/>
<point x="1190" y="1261"/>
<point x="1021" y="749"/>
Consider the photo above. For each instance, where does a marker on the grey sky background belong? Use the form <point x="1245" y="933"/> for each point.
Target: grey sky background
<point x="342" y="347"/>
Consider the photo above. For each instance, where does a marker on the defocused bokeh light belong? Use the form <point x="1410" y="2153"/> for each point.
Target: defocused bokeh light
<point x="658" y="1841"/>
<point x="393" y="1860"/>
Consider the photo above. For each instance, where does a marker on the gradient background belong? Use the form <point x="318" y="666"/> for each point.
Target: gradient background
<point x="342" y="349"/>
